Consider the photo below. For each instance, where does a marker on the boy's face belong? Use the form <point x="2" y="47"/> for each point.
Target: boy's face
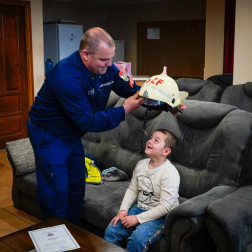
<point x="155" y="147"/>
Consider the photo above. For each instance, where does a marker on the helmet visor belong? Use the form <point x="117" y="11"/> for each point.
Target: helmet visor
<point x="150" y="102"/>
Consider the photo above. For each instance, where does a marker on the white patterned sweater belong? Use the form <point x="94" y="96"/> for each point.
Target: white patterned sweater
<point x="156" y="189"/>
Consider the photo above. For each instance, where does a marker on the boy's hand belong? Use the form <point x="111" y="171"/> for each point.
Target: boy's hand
<point x="129" y="221"/>
<point x="120" y="215"/>
<point x="175" y="113"/>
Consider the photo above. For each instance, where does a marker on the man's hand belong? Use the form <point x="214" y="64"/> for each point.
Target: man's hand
<point x="120" y="215"/>
<point x="176" y="113"/>
<point x="129" y="221"/>
<point x="132" y="103"/>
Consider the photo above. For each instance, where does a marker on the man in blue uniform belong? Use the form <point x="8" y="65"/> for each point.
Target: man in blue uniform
<point x="70" y="103"/>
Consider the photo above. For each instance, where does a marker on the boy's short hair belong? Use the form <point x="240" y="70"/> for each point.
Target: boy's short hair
<point x="170" y="141"/>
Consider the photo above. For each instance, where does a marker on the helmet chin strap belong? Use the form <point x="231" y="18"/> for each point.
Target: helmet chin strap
<point x="145" y="122"/>
<point x="164" y="107"/>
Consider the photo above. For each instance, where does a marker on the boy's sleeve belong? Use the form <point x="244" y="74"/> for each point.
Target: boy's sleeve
<point x="131" y="193"/>
<point x="168" y="199"/>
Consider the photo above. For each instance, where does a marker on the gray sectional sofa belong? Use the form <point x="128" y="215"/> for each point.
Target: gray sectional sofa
<point x="213" y="158"/>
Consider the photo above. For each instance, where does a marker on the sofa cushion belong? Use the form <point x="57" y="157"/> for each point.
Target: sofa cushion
<point x="192" y="86"/>
<point x="200" y="90"/>
<point x="22" y="155"/>
<point x="102" y="202"/>
<point x="239" y="96"/>
<point x="205" y="115"/>
<point x="113" y="98"/>
<point x="226" y="79"/>
<point x="248" y="88"/>
<point x="222" y="80"/>
<point x="208" y="157"/>
<point x="118" y="147"/>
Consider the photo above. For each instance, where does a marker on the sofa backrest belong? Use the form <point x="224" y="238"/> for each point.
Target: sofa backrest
<point x="214" y="147"/>
<point x="239" y="96"/>
<point x="200" y="90"/>
<point x="222" y="80"/>
<point x="123" y="146"/>
<point x="214" y="142"/>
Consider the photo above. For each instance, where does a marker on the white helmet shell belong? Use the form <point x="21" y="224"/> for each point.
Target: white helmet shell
<point x="160" y="89"/>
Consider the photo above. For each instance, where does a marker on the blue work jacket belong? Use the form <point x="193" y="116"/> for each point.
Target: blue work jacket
<point x="71" y="100"/>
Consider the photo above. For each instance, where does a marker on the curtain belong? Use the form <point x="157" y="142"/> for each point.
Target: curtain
<point x="229" y="33"/>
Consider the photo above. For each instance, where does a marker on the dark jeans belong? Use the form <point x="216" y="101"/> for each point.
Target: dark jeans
<point x="139" y="237"/>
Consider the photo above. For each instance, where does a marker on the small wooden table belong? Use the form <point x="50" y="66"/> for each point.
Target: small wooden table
<point x="20" y="241"/>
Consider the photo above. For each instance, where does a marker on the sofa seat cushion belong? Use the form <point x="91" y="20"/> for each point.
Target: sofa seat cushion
<point x="102" y="202"/>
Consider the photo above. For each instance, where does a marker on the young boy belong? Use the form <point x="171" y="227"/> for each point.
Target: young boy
<point x="156" y="183"/>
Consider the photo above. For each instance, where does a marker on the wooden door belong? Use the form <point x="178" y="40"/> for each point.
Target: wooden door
<point x="16" y="85"/>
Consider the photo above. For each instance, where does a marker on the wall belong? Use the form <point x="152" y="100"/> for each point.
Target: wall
<point x="243" y="38"/>
<point x="122" y="20"/>
<point x="121" y="23"/>
<point x="214" y="45"/>
<point x="37" y="44"/>
<point x="88" y="15"/>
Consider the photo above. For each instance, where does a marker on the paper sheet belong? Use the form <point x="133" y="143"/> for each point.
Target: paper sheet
<point x="53" y="239"/>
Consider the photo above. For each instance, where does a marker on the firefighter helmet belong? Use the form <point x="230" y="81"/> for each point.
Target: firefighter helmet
<point x="160" y="89"/>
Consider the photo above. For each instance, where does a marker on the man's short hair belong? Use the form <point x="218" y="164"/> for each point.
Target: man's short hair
<point x="92" y="38"/>
<point x="170" y="141"/>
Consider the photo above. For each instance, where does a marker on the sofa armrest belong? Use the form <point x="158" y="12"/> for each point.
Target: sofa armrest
<point x="187" y="220"/>
<point x="232" y="216"/>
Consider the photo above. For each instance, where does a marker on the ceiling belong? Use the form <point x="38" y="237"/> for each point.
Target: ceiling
<point x="111" y="2"/>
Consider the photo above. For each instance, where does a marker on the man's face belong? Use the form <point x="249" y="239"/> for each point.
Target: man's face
<point x="155" y="147"/>
<point x="99" y="62"/>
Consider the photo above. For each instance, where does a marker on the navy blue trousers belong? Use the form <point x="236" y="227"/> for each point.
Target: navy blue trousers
<point x="61" y="173"/>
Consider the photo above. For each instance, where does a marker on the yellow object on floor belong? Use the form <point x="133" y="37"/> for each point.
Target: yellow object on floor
<point x="94" y="174"/>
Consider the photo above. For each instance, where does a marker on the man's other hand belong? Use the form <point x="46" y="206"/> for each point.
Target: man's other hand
<point x="176" y="113"/>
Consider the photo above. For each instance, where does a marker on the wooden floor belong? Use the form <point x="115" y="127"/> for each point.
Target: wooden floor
<point x="11" y="218"/>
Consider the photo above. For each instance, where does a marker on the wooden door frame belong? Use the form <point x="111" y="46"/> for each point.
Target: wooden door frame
<point x="28" y="43"/>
